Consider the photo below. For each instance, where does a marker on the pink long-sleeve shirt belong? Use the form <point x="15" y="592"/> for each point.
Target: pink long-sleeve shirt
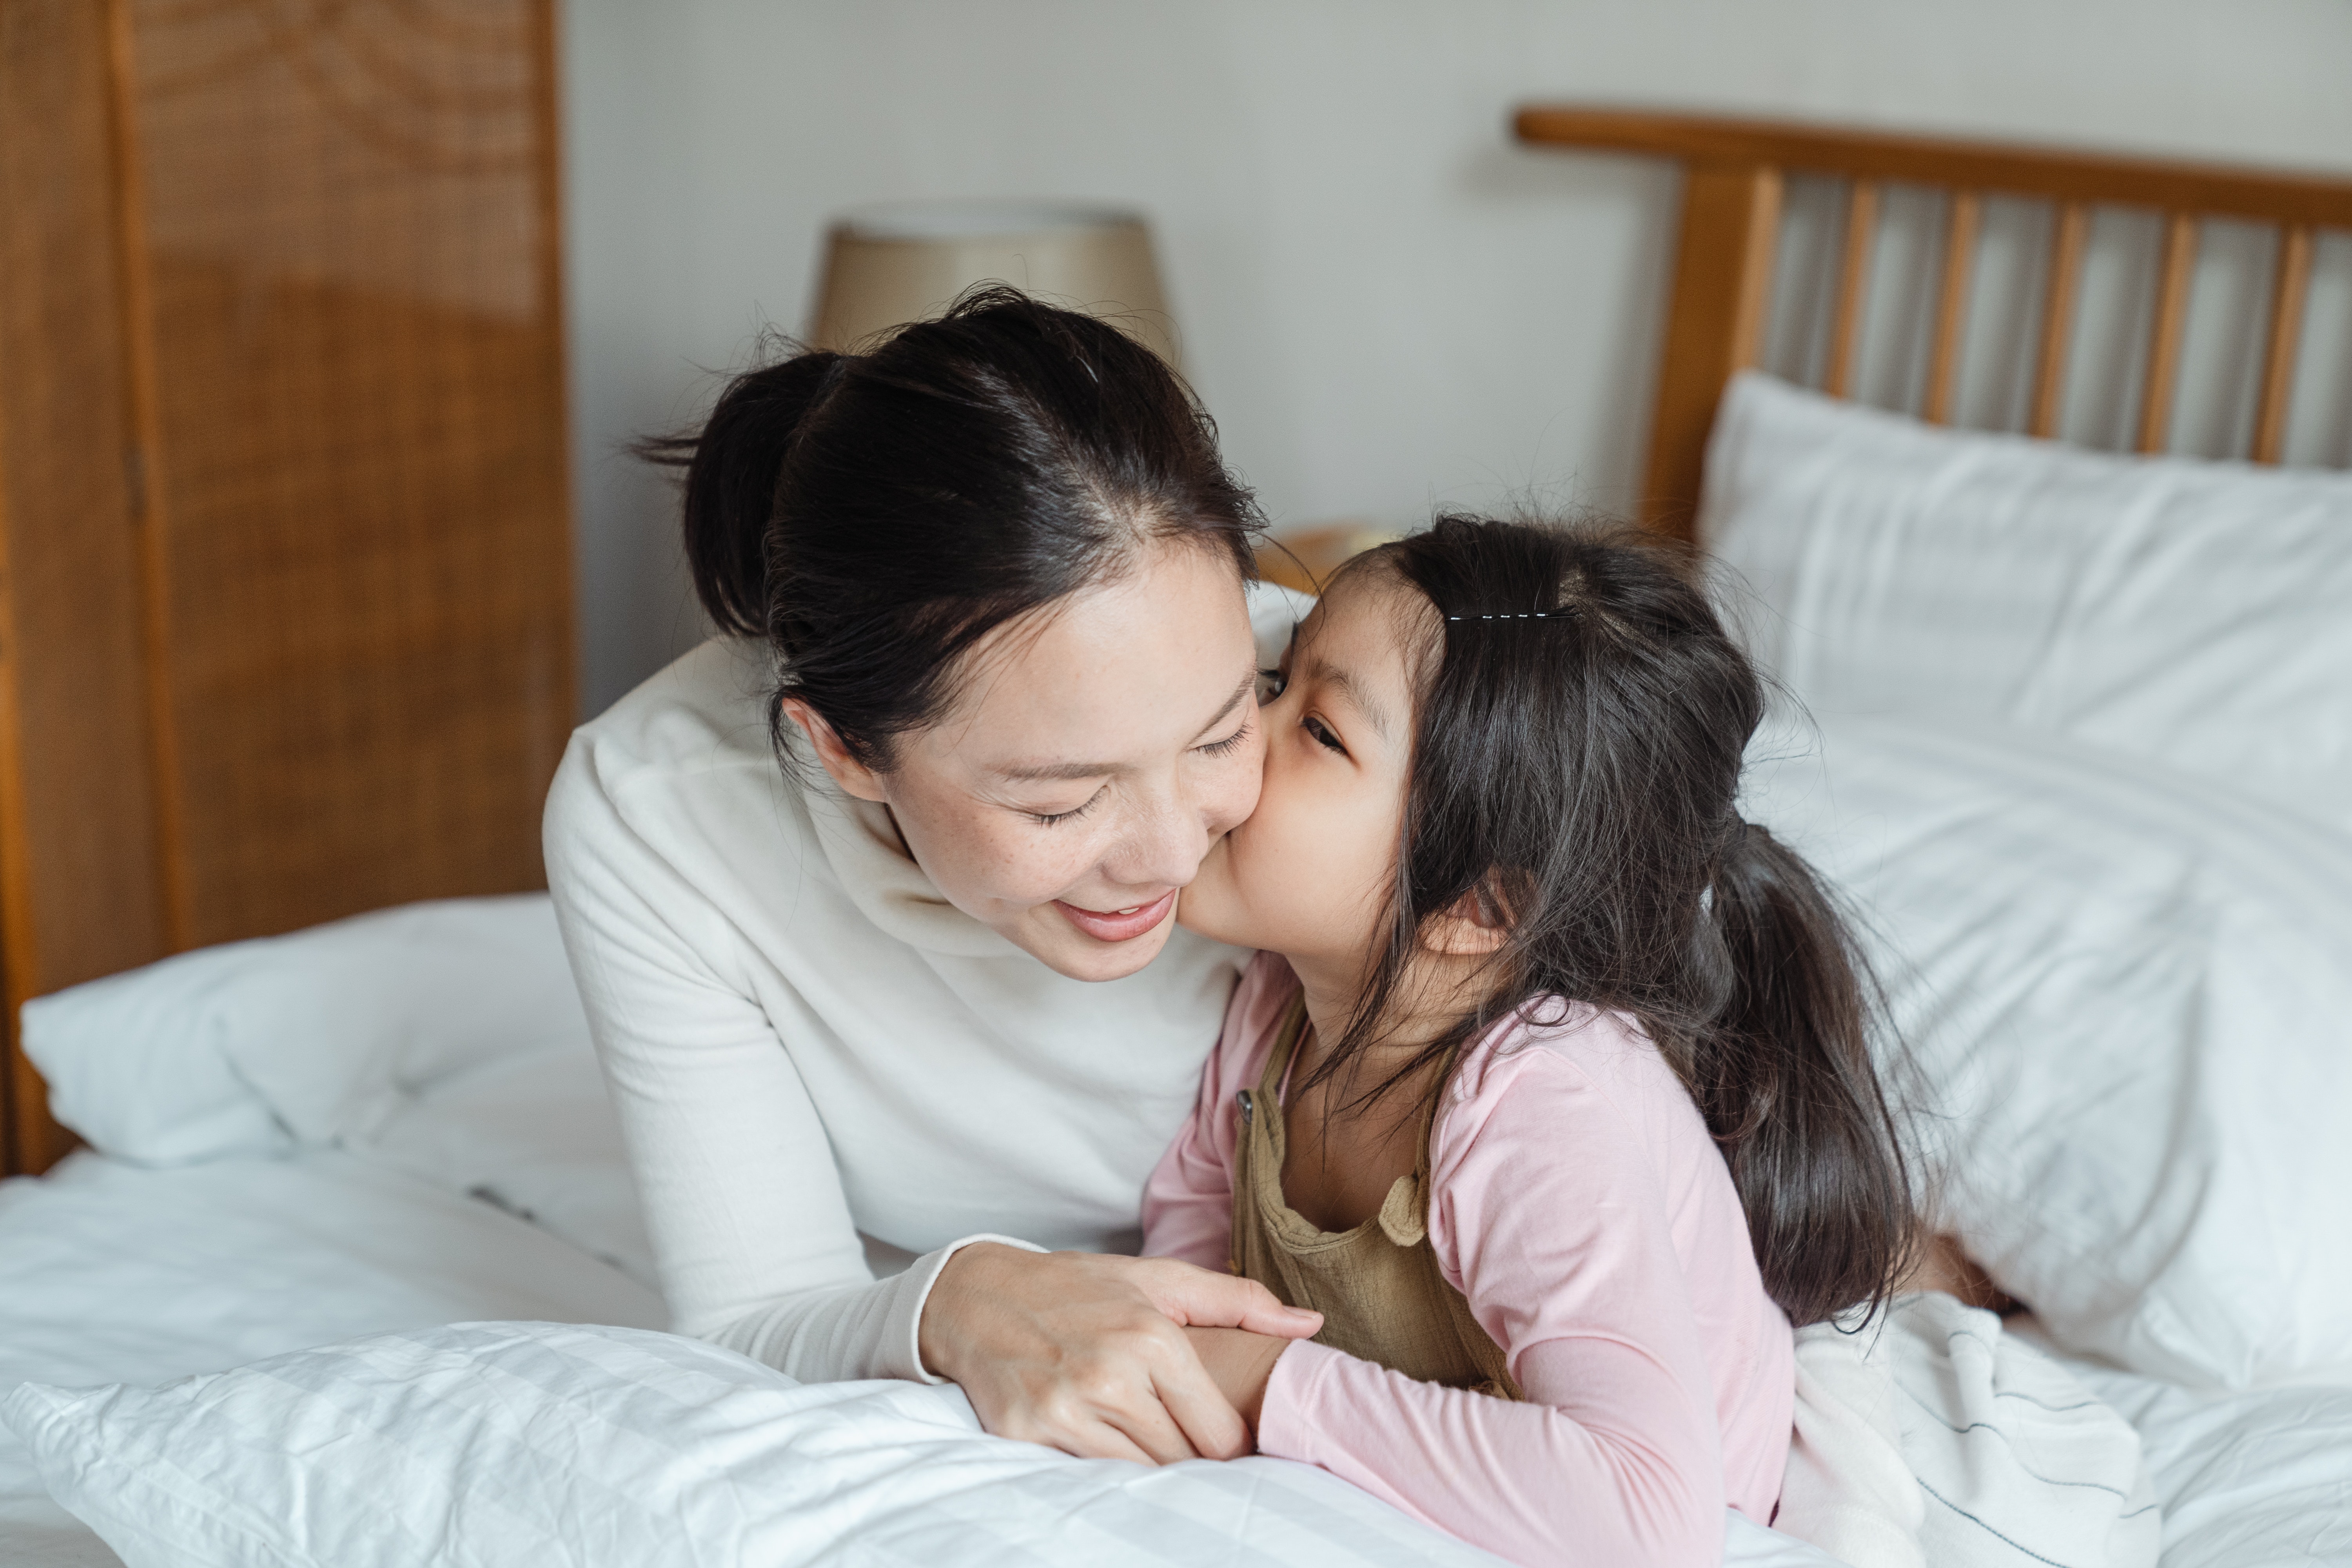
<point x="1578" y="1204"/>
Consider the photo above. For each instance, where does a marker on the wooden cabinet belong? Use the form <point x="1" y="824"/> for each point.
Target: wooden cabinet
<point x="285" y="583"/>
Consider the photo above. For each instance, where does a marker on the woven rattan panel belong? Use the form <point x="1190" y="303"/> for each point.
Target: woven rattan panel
<point x="346" y="217"/>
<point x="285" y="630"/>
<point x="80" y="880"/>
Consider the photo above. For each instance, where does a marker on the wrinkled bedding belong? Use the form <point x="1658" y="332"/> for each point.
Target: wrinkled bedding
<point x="111" y="1273"/>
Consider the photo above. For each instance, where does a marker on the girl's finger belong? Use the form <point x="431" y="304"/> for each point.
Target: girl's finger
<point x="1101" y="1441"/>
<point x="1192" y="1400"/>
<point x="1147" y="1422"/>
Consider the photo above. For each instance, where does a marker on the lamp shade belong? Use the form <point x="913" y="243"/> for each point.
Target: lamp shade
<point x="886" y="266"/>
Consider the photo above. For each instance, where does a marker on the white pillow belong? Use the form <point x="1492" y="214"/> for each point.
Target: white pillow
<point x="2132" y="1001"/>
<point x="315" y="1036"/>
<point x="2196" y="613"/>
<point x="538" y="1443"/>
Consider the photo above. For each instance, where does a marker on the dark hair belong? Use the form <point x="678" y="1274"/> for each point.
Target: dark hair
<point x="874" y="515"/>
<point x="1576" y="774"/>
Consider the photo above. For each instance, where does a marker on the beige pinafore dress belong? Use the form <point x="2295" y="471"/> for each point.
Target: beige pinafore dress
<point x="1381" y="1294"/>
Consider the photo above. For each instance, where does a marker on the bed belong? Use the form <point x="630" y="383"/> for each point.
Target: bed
<point x="359" y="1133"/>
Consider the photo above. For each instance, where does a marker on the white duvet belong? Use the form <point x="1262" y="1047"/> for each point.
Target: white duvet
<point x="111" y="1275"/>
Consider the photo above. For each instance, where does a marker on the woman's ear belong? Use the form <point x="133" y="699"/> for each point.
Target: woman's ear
<point x="854" y="777"/>
<point x="1472" y="926"/>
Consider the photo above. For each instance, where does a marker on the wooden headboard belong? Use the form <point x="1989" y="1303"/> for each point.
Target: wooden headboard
<point x="1735" y="174"/>
<point x="285" y="582"/>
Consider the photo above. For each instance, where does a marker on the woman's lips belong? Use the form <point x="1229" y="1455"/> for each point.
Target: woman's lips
<point x="1119" y="925"/>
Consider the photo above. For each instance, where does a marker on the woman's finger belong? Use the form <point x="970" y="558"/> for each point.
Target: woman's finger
<point x="1198" y="1299"/>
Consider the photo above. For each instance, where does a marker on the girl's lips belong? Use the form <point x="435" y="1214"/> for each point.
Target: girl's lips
<point x="1119" y="925"/>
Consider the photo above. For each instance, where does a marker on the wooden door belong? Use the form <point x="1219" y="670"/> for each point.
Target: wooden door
<point x="285" y="632"/>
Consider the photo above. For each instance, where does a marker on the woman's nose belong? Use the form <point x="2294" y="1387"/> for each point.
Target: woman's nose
<point x="1163" y="845"/>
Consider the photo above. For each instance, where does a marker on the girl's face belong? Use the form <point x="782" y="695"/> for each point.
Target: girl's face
<point x="1309" y="874"/>
<point x="1093" y="756"/>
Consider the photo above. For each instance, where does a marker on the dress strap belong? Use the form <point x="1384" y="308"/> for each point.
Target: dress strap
<point x="1285" y="1045"/>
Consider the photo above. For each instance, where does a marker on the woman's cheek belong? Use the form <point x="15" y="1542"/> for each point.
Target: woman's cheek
<point x="1233" y="790"/>
<point x="993" y="860"/>
<point x="1042" y="863"/>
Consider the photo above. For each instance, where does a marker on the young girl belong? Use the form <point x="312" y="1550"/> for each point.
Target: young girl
<point x="1550" y="1089"/>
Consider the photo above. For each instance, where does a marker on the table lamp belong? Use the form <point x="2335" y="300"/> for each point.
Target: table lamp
<point x="886" y="266"/>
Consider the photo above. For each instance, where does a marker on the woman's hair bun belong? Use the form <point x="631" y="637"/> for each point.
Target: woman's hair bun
<point x="732" y="467"/>
<point x="874" y="515"/>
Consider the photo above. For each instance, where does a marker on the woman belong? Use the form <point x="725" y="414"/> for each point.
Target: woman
<point x="872" y="899"/>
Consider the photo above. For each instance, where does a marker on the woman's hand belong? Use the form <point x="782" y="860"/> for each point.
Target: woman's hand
<point x="1087" y="1353"/>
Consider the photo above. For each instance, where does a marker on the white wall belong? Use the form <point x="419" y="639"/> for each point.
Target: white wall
<point x="1385" y="303"/>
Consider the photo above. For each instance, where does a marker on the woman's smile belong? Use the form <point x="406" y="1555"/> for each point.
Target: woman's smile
<point x="1119" y="925"/>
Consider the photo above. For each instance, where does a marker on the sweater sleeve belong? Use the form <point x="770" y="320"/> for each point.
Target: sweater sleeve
<point x="1550" y="1215"/>
<point x="751" y="1227"/>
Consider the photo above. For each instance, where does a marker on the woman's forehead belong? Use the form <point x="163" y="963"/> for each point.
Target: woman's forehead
<point x="1137" y="665"/>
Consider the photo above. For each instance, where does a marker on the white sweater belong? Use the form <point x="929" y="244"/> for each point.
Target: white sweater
<point x="819" y="1063"/>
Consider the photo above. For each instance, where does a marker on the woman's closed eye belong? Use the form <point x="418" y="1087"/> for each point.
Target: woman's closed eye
<point x="1227" y="746"/>
<point x="1049" y="818"/>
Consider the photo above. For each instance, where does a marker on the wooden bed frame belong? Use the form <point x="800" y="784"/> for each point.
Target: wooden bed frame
<point x="1735" y="174"/>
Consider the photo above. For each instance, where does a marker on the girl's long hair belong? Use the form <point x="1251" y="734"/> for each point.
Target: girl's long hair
<point x="1582" y="721"/>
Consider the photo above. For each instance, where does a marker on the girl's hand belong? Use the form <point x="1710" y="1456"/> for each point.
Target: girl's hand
<point x="1088" y="1353"/>
<point x="1241" y="1363"/>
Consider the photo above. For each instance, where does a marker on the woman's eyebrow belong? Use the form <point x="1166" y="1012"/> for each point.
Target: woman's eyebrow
<point x="1058" y="770"/>
<point x="1248" y="681"/>
<point x="1074" y="771"/>
<point x="1359" y="695"/>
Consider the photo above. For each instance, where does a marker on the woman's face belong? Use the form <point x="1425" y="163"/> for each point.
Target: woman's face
<point x="1309" y="874"/>
<point x="1093" y="755"/>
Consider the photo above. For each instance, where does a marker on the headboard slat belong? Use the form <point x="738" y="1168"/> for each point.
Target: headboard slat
<point x="1952" y="304"/>
<point x="1854" y="285"/>
<point x="1723" y="284"/>
<point x="2057" y="332"/>
<point x="2163" y="338"/>
<point x="2288" y="290"/>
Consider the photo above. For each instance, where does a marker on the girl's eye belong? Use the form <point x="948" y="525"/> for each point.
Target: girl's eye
<point x="1271" y="683"/>
<point x="1049" y="818"/>
<point x="1322" y="734"/>
<point x="1227" y="746"/>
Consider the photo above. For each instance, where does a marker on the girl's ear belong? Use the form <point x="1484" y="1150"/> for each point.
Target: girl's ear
<point x="854" y="777"/>
<point x="1472" y="926"/>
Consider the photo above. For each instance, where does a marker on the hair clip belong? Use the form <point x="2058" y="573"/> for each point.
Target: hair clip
<point x="1521" y="615"/>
